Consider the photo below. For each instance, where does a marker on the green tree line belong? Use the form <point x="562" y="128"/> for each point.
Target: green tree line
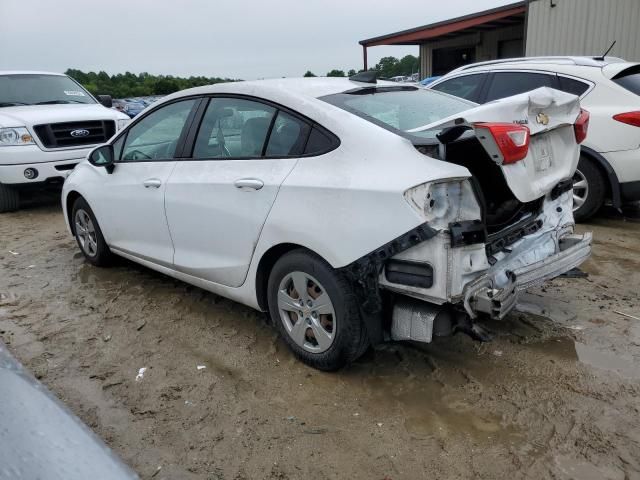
<point x="129" y="84"/>
<point x="123" y="85"/>
<point x="387" y="67"/>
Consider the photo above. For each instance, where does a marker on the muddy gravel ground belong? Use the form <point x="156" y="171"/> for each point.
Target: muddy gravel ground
<point x="555" y="395"/>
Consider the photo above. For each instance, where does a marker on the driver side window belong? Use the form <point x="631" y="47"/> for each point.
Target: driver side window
<point x="156" y="136"/>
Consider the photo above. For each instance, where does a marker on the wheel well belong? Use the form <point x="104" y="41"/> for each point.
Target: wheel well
<point x="71" y="199"/>
<point x="265" y="266"/>
<point x="612" y="184"/>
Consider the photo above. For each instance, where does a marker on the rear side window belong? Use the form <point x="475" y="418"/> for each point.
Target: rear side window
<point x="319" y="142"/>
<point x="288" y="136"/>
<point x="505" y="84"/>
<point x="467" y="87"/>
<point x="629" y="79"/>
<point x="233" y="128"/>
<point x="569" y="85"/>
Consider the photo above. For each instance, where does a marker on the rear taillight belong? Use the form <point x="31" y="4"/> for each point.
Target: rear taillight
<point x="630" y="118"/>
<point x="512" y="139"/>
<point x="581" y="126"/>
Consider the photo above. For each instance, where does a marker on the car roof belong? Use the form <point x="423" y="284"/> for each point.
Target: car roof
<point x="314" y="87"/>
<point x="538" y="61"/>
<point x="27" y="72"/>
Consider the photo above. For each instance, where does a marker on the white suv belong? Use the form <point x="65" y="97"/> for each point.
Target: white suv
<point x="609" y="89"/>
<point x="48" y="123"/>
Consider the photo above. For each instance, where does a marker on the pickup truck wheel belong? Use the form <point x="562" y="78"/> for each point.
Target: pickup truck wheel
<point x="9" y="199"/>
<point x="588" y="190"/>
<point x="316" y="311"/>
<point x="88" y="234"/>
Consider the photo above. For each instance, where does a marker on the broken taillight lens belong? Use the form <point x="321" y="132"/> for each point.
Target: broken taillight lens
<point x="630" y="118"/>
<point x="581" y="126"/>
<point x="512" y="140"/>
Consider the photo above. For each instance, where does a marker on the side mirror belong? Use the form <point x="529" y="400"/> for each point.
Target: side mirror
<point x="105" y="100"/>
<point x="102" y="156"/>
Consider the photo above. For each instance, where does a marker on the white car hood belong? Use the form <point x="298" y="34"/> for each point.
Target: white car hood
<point x="29" y="115"/>
<point x="553" y="153"/>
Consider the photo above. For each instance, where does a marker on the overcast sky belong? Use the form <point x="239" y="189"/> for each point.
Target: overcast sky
<point x="229" y="38"/>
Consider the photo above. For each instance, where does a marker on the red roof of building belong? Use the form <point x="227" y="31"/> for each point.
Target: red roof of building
<point x="510" y="14"/>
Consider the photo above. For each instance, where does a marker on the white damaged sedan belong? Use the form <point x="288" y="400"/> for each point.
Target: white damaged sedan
<point x="353" y="211"/>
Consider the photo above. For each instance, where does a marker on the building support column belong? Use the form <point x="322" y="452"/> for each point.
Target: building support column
<point x="364" y="57"/>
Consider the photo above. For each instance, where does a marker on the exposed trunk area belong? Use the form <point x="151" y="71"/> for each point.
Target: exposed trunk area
<point x="500" y="208"/>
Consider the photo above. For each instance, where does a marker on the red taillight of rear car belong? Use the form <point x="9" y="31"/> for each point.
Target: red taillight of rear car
<point x="581" y="126"/>
<point x="512" y="139"/>
<point x="630" y="118"/>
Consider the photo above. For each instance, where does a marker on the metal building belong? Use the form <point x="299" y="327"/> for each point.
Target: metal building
<point x="583" y="27"/>
<point x="531" y="27"/>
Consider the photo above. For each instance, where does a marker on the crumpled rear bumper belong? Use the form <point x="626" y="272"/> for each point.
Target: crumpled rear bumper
<point x="481" y="296"/>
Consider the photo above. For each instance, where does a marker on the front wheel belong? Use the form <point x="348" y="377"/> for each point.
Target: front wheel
<point x="88" y="234"/>
<point x="316" y="311"/>
<point x="588" y="190"/>
<point x="9" y="199"/>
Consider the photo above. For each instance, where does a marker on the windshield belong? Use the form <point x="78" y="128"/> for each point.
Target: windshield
<point x="400" y="108"/>
<point x="36" y="89"/>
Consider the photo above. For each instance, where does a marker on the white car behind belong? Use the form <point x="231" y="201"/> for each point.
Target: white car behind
<point x="330" y="202"/>
<point x="609" y="88"/>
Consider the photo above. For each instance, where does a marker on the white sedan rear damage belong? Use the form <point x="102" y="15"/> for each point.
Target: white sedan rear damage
<point x="479" y="273"/>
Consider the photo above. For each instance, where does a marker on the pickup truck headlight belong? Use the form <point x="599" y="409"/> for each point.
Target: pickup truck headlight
<point x="442" y="202"/>
<point x="10" y="137"/>
<point x="123" y="122"/>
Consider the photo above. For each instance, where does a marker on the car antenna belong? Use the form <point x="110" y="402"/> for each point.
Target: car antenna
<point x="606" y="52"/>
<point x="369" y="76"/>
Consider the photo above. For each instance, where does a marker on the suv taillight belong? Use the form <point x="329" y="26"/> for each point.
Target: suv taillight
<point x="630" y="118"/>
<point x="512" y="139"/>
<point x="581" y="126"/>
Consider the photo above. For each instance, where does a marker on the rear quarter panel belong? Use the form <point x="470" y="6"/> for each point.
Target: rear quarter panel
<point x="348" y="202"/>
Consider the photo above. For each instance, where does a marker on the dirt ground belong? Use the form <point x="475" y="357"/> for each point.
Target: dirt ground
<point x="555" y="395"/>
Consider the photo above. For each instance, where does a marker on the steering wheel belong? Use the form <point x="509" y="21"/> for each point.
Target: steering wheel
<point x="137" y="155"/>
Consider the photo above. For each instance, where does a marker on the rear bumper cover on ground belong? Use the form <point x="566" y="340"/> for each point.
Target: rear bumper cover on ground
<point x="481" y="296"/>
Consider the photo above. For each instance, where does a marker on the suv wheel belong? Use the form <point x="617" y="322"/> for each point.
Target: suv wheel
<point x="316" y="311"/>
<point x="588" y="190"/>
<point x="9" y="199"/>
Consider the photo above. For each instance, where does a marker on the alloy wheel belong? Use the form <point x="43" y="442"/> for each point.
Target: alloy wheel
<point x="580" y="189"/>
<point x="86" y="233"/>
<point x="306" y="312"/>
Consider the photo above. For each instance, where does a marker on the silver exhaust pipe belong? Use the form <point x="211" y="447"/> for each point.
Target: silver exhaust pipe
<point x="419" y="321"/>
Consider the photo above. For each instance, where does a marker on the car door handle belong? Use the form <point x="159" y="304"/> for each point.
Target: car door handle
<point x="249" y="184"/>
<point x="152" y="183"/>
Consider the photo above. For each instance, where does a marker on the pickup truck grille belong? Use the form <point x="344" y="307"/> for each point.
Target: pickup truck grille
<point x="71" y="134"/>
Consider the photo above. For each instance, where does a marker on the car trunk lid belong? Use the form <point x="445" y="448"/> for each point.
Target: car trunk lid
<point x="553" y="152"/>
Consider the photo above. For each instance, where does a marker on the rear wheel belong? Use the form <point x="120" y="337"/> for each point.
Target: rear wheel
<point x="9" y="199"/>
<point x="588" y="190"/>
<point x="88" y="234"/>
<point x="316" y="311"/>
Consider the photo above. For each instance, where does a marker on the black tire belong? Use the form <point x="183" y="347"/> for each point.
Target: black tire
<point x="9" y="199"/>
<point x="595" y="193"/>
<point x="102" y="256"/>
<point x="350" y="336"/>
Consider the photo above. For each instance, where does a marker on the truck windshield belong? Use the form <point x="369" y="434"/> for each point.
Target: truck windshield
<point x="37" y="89"/>
<point x="400" y="108"/>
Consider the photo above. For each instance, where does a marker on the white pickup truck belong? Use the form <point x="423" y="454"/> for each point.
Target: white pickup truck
<point x="48" y="124"/>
